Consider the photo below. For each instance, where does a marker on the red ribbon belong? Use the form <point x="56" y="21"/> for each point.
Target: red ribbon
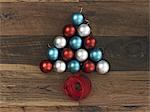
<point x="77" y="87"/>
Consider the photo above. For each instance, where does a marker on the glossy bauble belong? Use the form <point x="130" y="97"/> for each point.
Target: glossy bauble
<point x="59" y="66"/>
<point x="69" y="30"/>
<point x="53" y="53"/>
<point x="89" y="42"/>
<point x="88" y="66"/>
<point x="102" y="67"/>
<point x="73" y="66"/>
<point x="67" y="54"/>
<point x="46" y="66"/>
<point x="77" y="18"/>
<point x="84" y="30"/>
<point x="81" y="55"/>
<point x="95" y="55"/>
<point x="75" y="42"/>
<point x="60" y="42"/>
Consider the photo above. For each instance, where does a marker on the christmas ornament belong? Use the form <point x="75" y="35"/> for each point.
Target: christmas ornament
<point x="59" y="42"/>
<point x="84" y="30"/>
<point x="77" y="87"/>
<point x="73" y="66"/>
<point x="88" y="66"/>
<point x="53" y="53"/>
<point x="81" y="55"/>
<point x="69" y="30"/>
<point x="89" y="42"/>
<point x="75" y="42"/>
<point x="95" y="55"/>
<point x="59" y="66"/>
<point x="77" y="18"/>
<point x="102" y="67"/>
<point x="75" y="52"/>
<point x="67" y="54"/>
<point x="46" y="66"/>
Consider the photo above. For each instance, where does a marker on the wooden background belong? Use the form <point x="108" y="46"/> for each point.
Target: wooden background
<point x="121" y="28"/>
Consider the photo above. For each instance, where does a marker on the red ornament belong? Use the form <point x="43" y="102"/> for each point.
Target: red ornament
<point x="67" y="54"/>
<point x="46" y="66"/>
<point x="89" y="42"/>
<point x="69" y="30"/>
<point x="88" y="66"/>
<point x="77" y="87"/>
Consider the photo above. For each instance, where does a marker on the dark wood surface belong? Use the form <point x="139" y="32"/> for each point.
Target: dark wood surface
<point x="106" y="18"/>
<point x="124" y="53"/>
<point x="121" y="30"/>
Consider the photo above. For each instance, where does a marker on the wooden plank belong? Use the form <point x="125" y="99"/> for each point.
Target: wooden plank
<point x="120" y="88"/>
<point x="27" y="86"/>
<point x="39" y="0"/>
<point x="123" y="53"/>
<point x="24" y="85"/>
<point x="75" y="109"/>
<point x="73" y="0"/>
<point x="106" y="18"/>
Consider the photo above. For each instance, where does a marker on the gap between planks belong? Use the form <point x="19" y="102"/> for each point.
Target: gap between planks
<point x="73" y="1"/>
<point x="76" y="109"/>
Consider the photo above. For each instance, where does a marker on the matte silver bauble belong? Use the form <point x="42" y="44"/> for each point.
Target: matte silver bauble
<point x="81" y="55"/>
<point x="59" y="66"/>
<point x="102" y="67"/>
<point x="60" y="42"/>
<point x="84" y="30"/>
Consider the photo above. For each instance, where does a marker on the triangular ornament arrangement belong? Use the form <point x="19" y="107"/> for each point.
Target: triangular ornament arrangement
<point x="75" y="52"/>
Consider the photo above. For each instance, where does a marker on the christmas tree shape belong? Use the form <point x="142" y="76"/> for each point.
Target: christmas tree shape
<point x="75" y="51"/>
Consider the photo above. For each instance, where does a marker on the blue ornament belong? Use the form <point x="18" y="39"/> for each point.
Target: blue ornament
<point x="96" y="55"/>
<point x="73" y="66"/>
<point x="53" y="53"/>
<point x="75" y="42"/>
<point x="77" y="18"/>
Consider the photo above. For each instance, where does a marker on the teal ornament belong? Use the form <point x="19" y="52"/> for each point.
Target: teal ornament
<point x="73" y="66"/>
<point x="96" y="55"/>
<point x="77" y="18"/>
<point x="53" y="53"/>
<point x="75" y="42"/>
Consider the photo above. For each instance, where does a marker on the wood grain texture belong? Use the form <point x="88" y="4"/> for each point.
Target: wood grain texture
<point x="24" y="85"/>
<point x="121" y="28"/>
<point x="53" y="109"/>
<point x="123" y="53"/>
<point x="39" y="0"/>
<point x="45" y="92"/>
<point x="106" y="18"/>
<point x="113" y="1"/>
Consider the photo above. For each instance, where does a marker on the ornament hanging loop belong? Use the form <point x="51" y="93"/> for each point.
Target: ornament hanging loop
<point x="87" y="21"/>
<point x="81" y="9"/>
<point x="48" y="45"/>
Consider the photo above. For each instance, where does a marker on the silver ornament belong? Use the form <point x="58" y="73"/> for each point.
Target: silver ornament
<point x="102" y="67"/>
<point x="81" y="55"/>
<point x="60" y="42"/>
<point x="84" y="30"/>
<point x="59" y="66"/>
